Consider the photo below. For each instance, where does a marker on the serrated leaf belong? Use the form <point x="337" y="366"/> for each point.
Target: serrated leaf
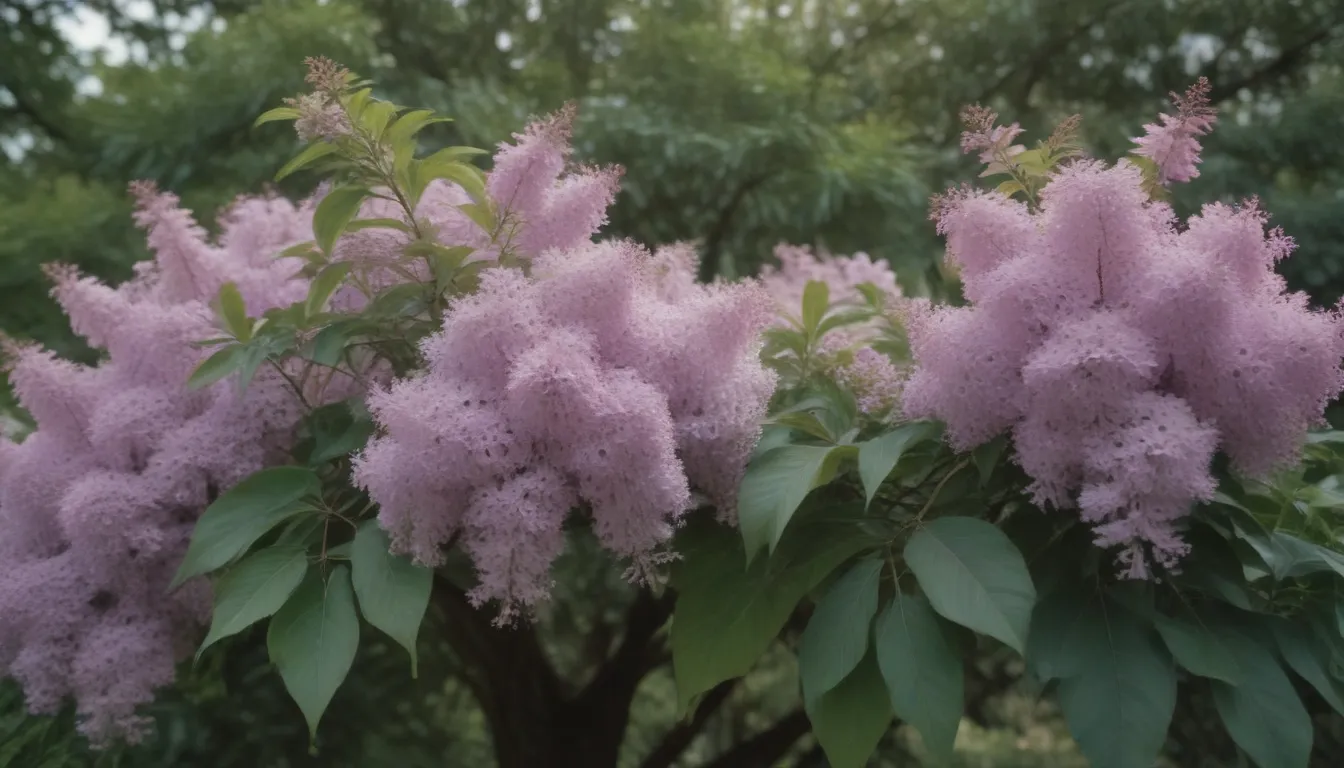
<point x="217" y="366"/>
<point x="335" y="211"/>
<point x="975" y="576"/>
<point x="816" y="300"/>
<point x="836" y="637"/>
<point x="775" y="484"/>
<point x="1201" y="650"/>
<point x="1120" y="701"/>
<point x="324" y="285"/>
<point x="312" y="640"/>
<point x="923" y="674"/>
<point x="850" y="720"/>
<point x="879" y="456"/>
<point x="1264" y="715"/>
<point x="279" y="113"/>
<point x="727" y="613"/>
<point x="243" y="514"/>
<point x="393" y="592"/>
<point x="311" y="154"/>
<point x="254" y="589"/>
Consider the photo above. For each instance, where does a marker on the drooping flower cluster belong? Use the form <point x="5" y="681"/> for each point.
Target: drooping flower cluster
<point x="1121" y="350"/>
<point x="605" y="379"/>
<point x="97" y="505"/>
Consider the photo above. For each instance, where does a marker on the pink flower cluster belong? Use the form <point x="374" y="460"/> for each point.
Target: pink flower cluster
<point x="605" y="379"/>
<point x="97" y="505"/>
<point x="799" y="265"/>
<point x="1121" y="350"/>
<point x="1173" y="144"/>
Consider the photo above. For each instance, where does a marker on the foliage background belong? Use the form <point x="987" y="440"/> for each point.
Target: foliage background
<point x="740" y="123"/>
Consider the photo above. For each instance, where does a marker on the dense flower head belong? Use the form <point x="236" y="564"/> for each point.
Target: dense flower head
<point x="1173" y="143"/>
<point x="800" y="265"/>
<point x="1122" y="350"/>
<point x="605" y="379"/>
<point x="97" y="506"/>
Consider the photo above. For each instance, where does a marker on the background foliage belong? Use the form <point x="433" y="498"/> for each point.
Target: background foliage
<point x="740" y="123"/>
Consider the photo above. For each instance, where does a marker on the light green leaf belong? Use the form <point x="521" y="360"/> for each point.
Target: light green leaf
<point x="877" y="457"/>
<point x="312" y="640"/>
<point x="480" y="213"/>
<point x="850" y="720"/>
<point x="1310" y="659"/>
<point x="448" y="154"/>
<point x="324" y="285"/>
<point x="775" y="484"/>
<point x="1120" y="700"/>
<point x="378" y="223"/>
<point x="1199" y="649"/>
<point x="728" y="614"/>
<point x="836" y="637"/>
<point x="401" y="136"/>
<point x="974" y="575"/>
<point x="469" y="177"/>
<point x="234" y="312"/>
<point x="1264" y="715"/>
<point x="311" y="154"/>
<point x="244" y="513"/>
<point x="816" y="300"/>
<point x="1010" y="187"/>
<point x="393" y="592"/>
<point x="335" y="211"/>
<point x="374" y="117"/>
<point x="923" y="674"/>
<point x="279" y="113"/>
<point x="223" y="362"/>
<point x="254" y="589"/>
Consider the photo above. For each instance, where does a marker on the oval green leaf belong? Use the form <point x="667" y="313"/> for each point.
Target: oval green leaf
<point x="1201" y="650"/>
<point x="336" y="210"/>
<point x="312" y="640"/>
<point x="923" y="674"/>
<point x="1264" y="715"/>
<point x="254" y="589"/>
<point x="836" y="637"/>
<point x="393" y="592"/>
<point x="775" y="484"/>
<point x="311" y="154"/>
<point x="974" y="575"/>
<point x="850" y="720"/>
<point x="877" y="457"/>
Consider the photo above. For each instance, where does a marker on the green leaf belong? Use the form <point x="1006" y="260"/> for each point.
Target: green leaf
<point x="378" y="223"/>
<point x="1201" y="650"/>
<point x="311" y="154"/>
<point x="401" y="136"/>
<point x="393" y="592"/>
<point x="279" y="113"/>
<point x="1010" y="188"/>
<point x="775" y="484"/>
<point x="986" y="457"/>
<point x="448" y="154"/>
<point x="877" y="457"/>
<point x="254" y="589"/>
<point x="728" y="614"/>
<point x="234" y="312"/>
<point x="836" y="637"/>
<point x="244" y="513"/>
<point x="924" y="676"/>
<point x="374" y="117"/>
<point x="329" y="345"/>
<point x="1310" y="659"/>
<point x="481" y="214"/>
<point x="469" y="177"/>
<point x="1054" y="647"/>
<point x="816" y="300"/>
<point x="1119" y="702"/>
<point x="324" y="285"/>
<point x="974" y="575"/>
<point x="339" y="429"/>
<point x="850" y="720"/>
<point x="806" y="421"/>
<point x="335" y="211"/>
<point x="1263" y="715"/>
<point x="312" y="641"/>
<point x="223" y="362"/>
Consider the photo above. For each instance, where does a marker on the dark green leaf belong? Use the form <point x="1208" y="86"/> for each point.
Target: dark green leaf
<point x="329" y="345"/>
<point x="336" y="210"/>
<point x="836" y="637"/>
<point x="987" y="455"/>
<point x="923" y="674"/>
<point x="309" y="155"/>
<point x="974" y="575"/>
<point x="806" y="421"/>
<point x="279" y="113"/>
<point x="1263" y="715"/>
<point x="1201" y="650"/>
<point x="775" y="484"/>
<point x="254" y="589"/>
<point x="877" y="457"/>
<point x="324" y="285"/>
<point x="223" y="362"/>
<point x="242" y="514"/>
<point x="1054" y="644"/>
<point x="728" y="614"/>
<point x="339" y="429"/>
<point x="1309" y="657"/>
<point x="850" y="720"/>
<point x="393" y="592"/>
<point x="1119" y="702"/>
<point x="312" y="640"/>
